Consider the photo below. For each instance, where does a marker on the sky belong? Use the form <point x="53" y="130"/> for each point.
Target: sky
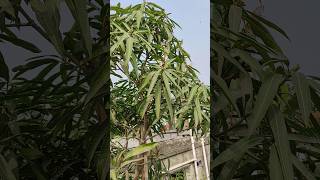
<point x="300" y="20"/>
<point x="194" y="19"/>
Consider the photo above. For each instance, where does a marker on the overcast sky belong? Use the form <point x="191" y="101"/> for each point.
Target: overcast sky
<point x="300" y="19"/>
<point x="194" y="19"/>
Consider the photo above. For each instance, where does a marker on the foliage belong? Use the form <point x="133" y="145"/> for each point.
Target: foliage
<point x="264" y="124"/>
<point x="155" y="83"/>
<point x="54" y="125"/>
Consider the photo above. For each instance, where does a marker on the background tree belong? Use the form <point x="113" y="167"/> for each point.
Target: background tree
<point x="264" y="112"/>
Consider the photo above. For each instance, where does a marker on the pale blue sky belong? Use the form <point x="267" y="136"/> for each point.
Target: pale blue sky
<point x="194" y="19"/>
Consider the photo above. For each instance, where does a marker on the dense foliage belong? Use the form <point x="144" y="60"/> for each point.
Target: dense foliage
<point x="155" y="86"/>
<point x="54" y="125"/>
<point x="265" y="123"/>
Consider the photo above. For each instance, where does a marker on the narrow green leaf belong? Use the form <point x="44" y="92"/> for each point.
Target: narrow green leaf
<point x="300" y="166"/>
<point x="280" y="135"/>
<point x="248" y="59"/>
<point x="78" y="9"/>
<point x="167" y="92"/>
<point x="265" y="96"/>
<point x="153" y="82"/>
<point x="101" y="79"/>
<point x="235" y="150"/>
<point x="304" y="139"/>
<point x="94" y="137"/>
<point x="47" y="14"/>
<point x="158" y="99"/>
<point x="230" y="168"/>
<point x="274" y="164"/>
<point x="235" y="14"/>
<point x="118" y="43"/>
<point x="270" y="24"/>
<point x="21" y="43"/>
<point x="129" y="49"/>
<point x="303" y="95"/>
<point x="222" y="84"/>
<point x="139" y="150"/>
<point x="146" y="80"/>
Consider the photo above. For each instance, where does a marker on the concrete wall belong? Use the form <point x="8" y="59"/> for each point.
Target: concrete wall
<point x="177" y="151"/>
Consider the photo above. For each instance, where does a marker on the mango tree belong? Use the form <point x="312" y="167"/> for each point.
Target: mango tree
<point x="156" y="83"/>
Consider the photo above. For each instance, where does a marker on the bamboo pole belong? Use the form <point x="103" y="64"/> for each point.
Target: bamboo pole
<point x="205" y="158"/>
<point x="194" y="155"/>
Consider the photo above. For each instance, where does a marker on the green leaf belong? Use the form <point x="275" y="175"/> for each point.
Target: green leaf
<point x="146" y="80"/>
<point x="274" y="164"/>
<point x="222" y="84"/>
<point x="127" y="56"/>
<point x="269" y="24"/>
<point x="280" y="135"/>
<point x="153" y="82"/>
<point x="167" y="92"/>
<point x="263" y="33"/>
<point x="117" y="44"/>
<point x="220" y="50"/>
<point x="47" y="14"/>
<point x="235" y="14"/>
<point x="7" y="7"/>
<point x="300" y="166"/>
<point x="130" y="161"/>
<point x="303" y="95"/>
<point x="265" y="96"/>
<point x="79" y="11"/>
<point x="235" y="150"/>
<point x="248" y="59"/>
<point x="94" y="137"/>
<point x="139" y="150"/>
<point x="230" y="168"/>
<point x="21" y="43"/>
<point x="4" y="70"/>
<point x="101" y="78"/>
<point x="304" y="139"/>
<point x="158" y="99"/>
<point x="5" y="170"/>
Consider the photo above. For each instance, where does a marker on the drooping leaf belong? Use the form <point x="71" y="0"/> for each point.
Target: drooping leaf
<point x="281" y="139"/>
<point x="274" y="164"/>
<point x="79" y="11"/>
<point x="301" y="167"/>
<point x="221" y="83"/>
<point x="270" y="24"/>
<point x="264" y="99"/>
<point x="158" y="100"/>
<point x="140" y="149"/>
<point x="21" y="43"/>
<point x="235" y="14"/>
<point x="100" y="80"/>
<point x="235" y="150"/>
<point x="47" y="14"/>
<point x="303" y="95"/>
